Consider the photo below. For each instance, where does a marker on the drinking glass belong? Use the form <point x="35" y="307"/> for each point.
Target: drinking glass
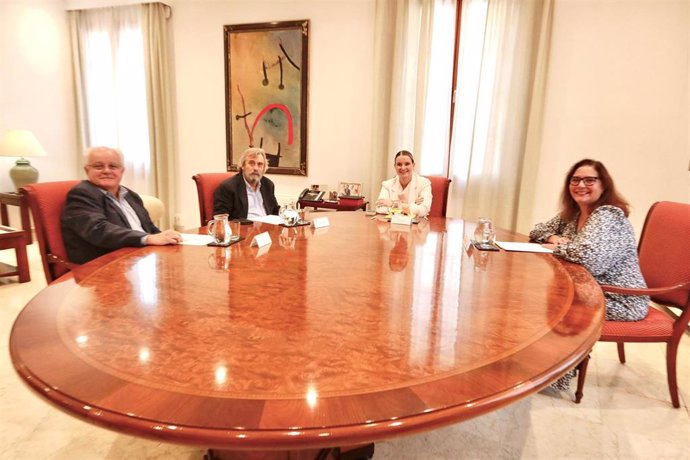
<point x="235" y="229"/>
<point x="484" y="231"/>
<point x="395" y="207"/>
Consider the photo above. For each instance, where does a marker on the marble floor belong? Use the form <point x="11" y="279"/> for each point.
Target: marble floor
<point x="626" y="412"/>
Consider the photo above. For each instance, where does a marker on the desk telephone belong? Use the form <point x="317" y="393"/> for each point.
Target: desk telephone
<point x="311" y="195"/>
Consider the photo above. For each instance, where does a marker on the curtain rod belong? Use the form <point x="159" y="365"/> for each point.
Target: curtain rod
<point x="167" y="7"/>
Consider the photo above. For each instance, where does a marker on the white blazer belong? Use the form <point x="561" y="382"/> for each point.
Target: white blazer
<point x="418" y="187"/>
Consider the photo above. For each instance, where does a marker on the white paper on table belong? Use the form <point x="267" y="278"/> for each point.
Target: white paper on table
<point x="272" y="219"/>
<point x="522" y="247"/>
<point x="194" y="239"/>
<point x="401" y="219"/>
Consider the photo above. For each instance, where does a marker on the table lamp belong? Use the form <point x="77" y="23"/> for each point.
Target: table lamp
<point x="21" y="143"/>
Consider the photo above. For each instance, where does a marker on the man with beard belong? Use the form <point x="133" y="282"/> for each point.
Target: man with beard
<point x="100" y="215"/>
<point x="249" y="194"/>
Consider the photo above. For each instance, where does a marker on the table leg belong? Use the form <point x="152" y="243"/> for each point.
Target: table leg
<point x="365" y="452"/>
<point x="22" y="264"/>
<point x="4" y="219"/>
<point x="26" y="222"/>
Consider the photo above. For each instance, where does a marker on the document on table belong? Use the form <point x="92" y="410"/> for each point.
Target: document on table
<point x="193" y="239"/>
<point x="522" y="247"/>
<point x="272" y="219"/>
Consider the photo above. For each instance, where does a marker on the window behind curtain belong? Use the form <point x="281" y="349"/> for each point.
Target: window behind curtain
<point x="439" y="90"/>
<point x="114" y="108"/>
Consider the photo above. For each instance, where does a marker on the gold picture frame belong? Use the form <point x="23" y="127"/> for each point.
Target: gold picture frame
<point x="266" y="89"/>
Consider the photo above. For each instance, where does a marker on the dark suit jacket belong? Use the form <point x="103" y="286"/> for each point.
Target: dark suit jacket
<point x="231" y="197"/>
<point x="92" y="225"/>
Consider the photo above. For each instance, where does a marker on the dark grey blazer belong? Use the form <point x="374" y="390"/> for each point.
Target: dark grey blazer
<point x="92" y="225"/>
<point x="231" y="197"/>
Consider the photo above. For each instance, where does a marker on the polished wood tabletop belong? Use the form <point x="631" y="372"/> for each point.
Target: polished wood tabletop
<point x="347" y="334"/>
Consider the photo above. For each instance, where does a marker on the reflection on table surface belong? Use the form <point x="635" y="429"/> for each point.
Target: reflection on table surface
<point x="341" y="335"/>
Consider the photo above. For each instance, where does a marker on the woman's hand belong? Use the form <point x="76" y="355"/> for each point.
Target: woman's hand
<point x="383" y="202"/>
<point x="556" y="239"/>
<point x="419" y="200"/>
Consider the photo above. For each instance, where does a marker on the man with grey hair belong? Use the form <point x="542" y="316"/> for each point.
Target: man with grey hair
<point x="100" y="215"/>
<point x="248" y="194"/>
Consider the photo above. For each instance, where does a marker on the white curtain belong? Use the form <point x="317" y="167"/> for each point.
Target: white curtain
<point x="159" y="103"/>
<point x="501" y="69"/>
<point x="113" y="110"/>
<point x="413" y="54"/>
<point x="120" y="57"/>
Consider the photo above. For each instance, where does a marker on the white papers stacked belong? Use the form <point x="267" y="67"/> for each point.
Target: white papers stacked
<point x="193" y="239"/>
<point x="522" y="247"/>
<point x="274" y="220"/>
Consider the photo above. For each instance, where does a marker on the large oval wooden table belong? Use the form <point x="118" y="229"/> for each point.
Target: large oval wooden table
<point x="335" y="336"/>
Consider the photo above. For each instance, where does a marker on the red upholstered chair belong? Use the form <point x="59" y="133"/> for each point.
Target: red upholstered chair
<point x="439" y="190"/>
<point x="206" y="184"/>
<point x="46" y="201"/>
<point x="664" y="253"/>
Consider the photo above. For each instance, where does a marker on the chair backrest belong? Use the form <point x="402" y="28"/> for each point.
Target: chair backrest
<point x="155" y="207"/>
<point x="46" y="201"/>
<point x="664" y="249"/>
<point x="206" y="184"/>
<point x="439" y="190"/>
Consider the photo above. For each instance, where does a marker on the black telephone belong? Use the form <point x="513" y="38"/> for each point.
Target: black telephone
<point x="310" y="195"/>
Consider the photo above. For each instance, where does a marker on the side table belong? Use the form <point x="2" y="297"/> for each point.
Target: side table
<point x="11" y="238"/>
<point x="15" y="199"/>
<point x="340" y="205"/>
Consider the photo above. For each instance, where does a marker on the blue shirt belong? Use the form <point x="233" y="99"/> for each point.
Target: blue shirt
<point x="127" y="210"/>
<point x="255" y="201"/>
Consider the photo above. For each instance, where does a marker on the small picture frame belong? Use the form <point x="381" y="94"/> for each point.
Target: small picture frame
<point x="350" y="190"/>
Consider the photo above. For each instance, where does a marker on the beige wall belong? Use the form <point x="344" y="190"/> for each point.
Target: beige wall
<point x="340" y="90"/>
<point x="617" y="91"/>
<point x="36" y="85"/>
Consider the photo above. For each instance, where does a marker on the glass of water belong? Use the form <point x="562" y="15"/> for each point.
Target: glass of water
<point x="395" y="207"/>
<point x="484" y="232"/>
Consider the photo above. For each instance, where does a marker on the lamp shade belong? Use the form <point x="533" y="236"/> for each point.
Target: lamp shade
<point x="20" y="143"/>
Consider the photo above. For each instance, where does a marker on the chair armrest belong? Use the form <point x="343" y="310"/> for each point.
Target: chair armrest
<point x="644" y="291"/>
<point x="53" y="259"/>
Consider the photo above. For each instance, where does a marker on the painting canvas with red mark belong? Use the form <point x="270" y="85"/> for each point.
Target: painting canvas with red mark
<point x="266" y="70"/>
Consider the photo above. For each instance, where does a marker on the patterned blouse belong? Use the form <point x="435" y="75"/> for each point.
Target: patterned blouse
<point x="605" y="246"/>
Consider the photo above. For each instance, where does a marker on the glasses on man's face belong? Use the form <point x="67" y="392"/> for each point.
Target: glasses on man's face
<point x="589" y="181"/>
<point x="103" y="166"/>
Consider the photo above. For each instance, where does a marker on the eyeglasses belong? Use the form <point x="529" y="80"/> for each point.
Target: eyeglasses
<point x="589" y="181"/>
<point x="102" y="166"/>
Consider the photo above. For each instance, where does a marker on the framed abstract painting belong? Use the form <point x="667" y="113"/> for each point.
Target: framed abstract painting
<point x="266" y="77"/>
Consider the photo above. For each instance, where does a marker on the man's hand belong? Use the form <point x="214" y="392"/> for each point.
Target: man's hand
<point x="163" y="238"/>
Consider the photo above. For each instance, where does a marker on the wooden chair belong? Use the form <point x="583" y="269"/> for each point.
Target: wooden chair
<point x="206" y="184"/>
<point x="439" y="190"/>
<point x="664" y="252"/>
<point x="46" y="201"/>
